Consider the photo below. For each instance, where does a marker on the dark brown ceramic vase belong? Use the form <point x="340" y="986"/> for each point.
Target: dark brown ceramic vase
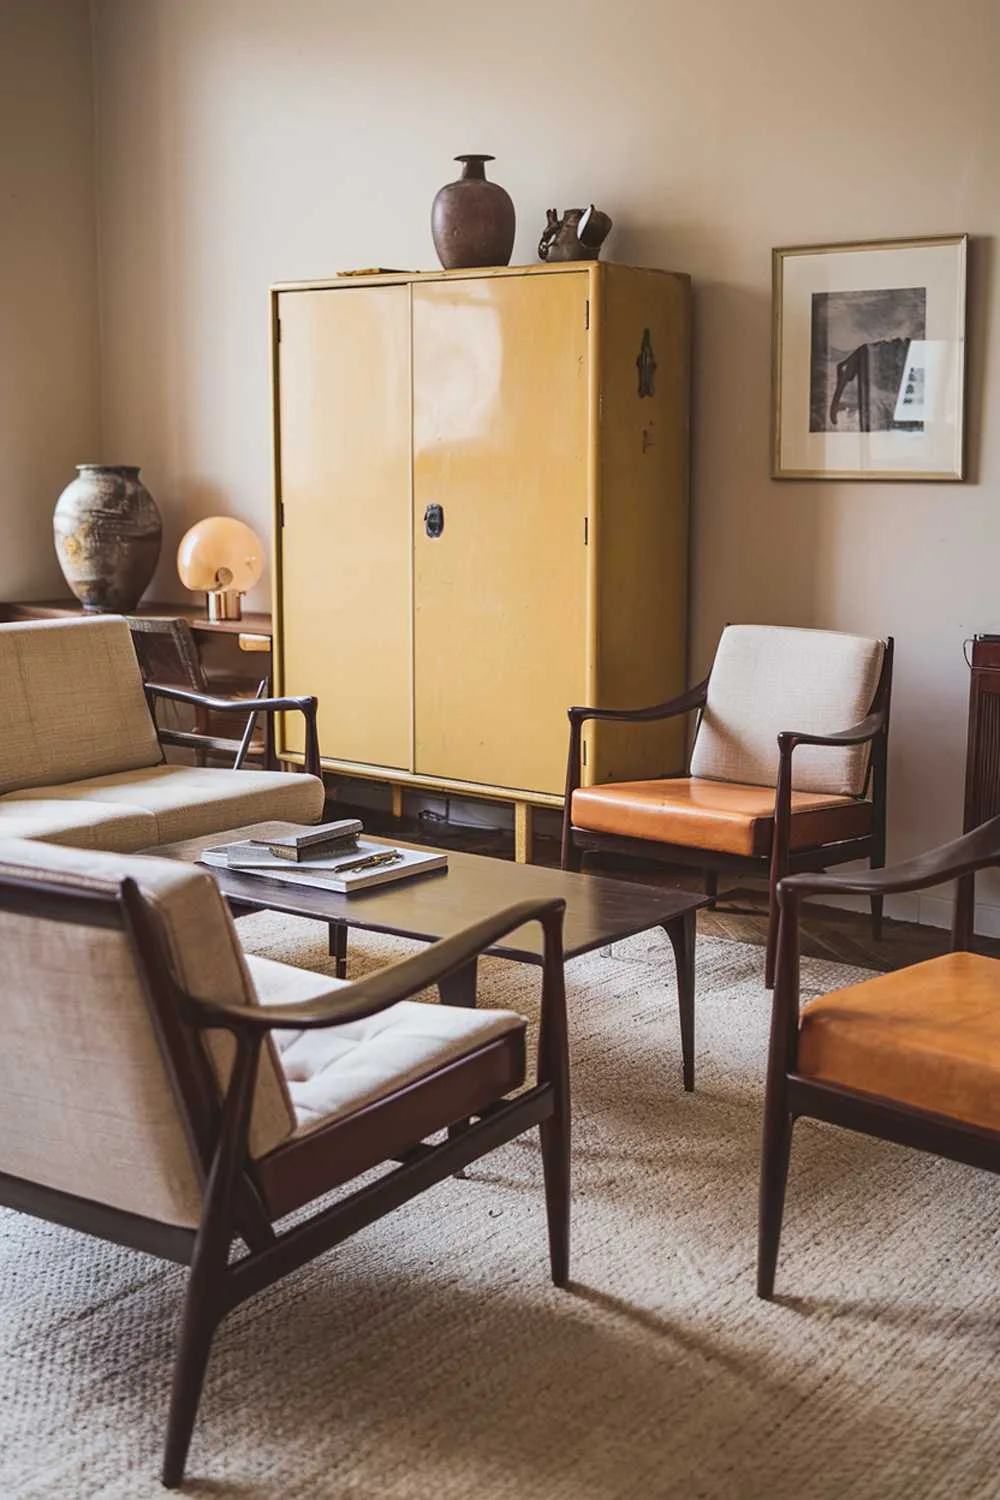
<point x="472" y="220"/>
<point x="107" y="534"/>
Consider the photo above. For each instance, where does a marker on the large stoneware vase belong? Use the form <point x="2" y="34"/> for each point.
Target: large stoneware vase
<point x="472" y="220"/>
<point x="107" y="533"/>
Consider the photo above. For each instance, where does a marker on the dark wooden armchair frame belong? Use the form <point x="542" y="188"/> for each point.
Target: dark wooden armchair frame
<point x="781" y="861"/>
<point x="192" y="740"/>
<point x="244" y="1199"/>
<point x="790" y="1095"/>
<point x="168" y="653"/>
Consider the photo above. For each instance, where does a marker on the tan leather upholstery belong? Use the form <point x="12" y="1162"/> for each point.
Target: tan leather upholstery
<point x="768" y="678"/>
<point x="73" y="702"/>
<point x="715" y="815"/>
<point x="181" y="802"/>
<point x="928" y="1036"/>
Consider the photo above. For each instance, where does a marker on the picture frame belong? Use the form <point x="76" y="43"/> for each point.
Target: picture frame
<point x="868" y="360"/>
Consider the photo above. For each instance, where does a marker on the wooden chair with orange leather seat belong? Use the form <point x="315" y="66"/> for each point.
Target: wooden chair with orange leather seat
<point x="911" y="1056"/>
<point x="787" y="771"/>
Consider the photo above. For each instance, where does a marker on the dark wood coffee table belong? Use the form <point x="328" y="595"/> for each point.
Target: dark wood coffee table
<point x="427" y="907"/>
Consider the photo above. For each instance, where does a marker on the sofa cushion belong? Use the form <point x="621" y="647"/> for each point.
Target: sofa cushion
<point x="341" y="1069"/>
<point x="86" y="1105"/>
<point x="766" y="679"/>
<point x="185" y="801"/>
<point x="73" y="702"/>
<point x="80" y="824"/>
<point x="927" y="1036"/>
<point x="700" y="814"/>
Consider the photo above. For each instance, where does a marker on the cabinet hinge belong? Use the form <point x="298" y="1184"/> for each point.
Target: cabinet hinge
<point x="584" y="749"/>
<point x="277" y="324"/>
<point x="281" y="514"/>
<point x="586" y="531"/>
<point x="586" y="315"/>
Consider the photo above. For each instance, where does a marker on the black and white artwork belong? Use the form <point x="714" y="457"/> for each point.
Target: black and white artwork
<point x="866" y="368"/>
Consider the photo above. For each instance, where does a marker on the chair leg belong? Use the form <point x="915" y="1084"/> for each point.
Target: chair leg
<point x="712" y="888"/>
<point x="681" y="933"/>
<point x="877" y="862"/>
<point x="773" y="1177"/>
<point x="555" y="1134"/>
<point x="199" y="1320"/>
<point x="772" y="938"/>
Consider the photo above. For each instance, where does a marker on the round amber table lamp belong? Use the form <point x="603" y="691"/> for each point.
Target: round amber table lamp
<point x="222" y="557"/>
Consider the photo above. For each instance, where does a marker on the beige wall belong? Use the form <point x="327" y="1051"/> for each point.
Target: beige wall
<point x="49" y="394"/>
<point x="243" y="141"/>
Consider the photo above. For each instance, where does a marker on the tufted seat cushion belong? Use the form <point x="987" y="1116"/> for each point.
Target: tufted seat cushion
<point x="716" y="815"/>
<point x="342" y="1069"/>
<point x="927" y="1036"/>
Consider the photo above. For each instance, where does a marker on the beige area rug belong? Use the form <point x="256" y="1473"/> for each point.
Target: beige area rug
<point x="431" y="1359"/>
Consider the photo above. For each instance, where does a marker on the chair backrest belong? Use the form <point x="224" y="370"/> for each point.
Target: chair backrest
<point x="87" y="1105"/>
<point x="766" y="679"/>
<point x="73" y="702"/>
<point x="167" y="651"/>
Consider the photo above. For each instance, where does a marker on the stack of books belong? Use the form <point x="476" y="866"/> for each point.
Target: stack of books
<point x="330" y="856"/>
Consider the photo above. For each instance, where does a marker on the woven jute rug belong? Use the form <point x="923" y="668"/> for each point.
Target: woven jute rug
<point x="430" y="1358"/>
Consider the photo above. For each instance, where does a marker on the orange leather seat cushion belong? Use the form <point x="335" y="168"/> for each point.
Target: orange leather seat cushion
<point x="928" y="1036"/>
<point x="719" y="815"/>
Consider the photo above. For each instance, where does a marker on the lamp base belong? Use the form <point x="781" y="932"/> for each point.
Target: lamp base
<point x="224" y="604"/>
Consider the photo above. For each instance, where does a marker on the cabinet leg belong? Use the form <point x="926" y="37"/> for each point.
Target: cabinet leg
<point x="524" y="821"/>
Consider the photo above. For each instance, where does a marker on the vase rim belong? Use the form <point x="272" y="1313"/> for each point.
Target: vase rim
<point x="475" y="156"/>
<point x="110" y="468"/>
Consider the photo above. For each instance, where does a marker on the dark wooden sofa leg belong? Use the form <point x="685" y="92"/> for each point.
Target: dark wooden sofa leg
<point x="712" y="888"/>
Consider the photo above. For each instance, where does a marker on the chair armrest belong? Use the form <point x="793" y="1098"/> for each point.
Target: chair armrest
<point x="390" y="985"/>
<point x="694" y="698"/>
<point x="306" y="706"/>
<point x="973" y="851"/>
<point x="858" y="734"/>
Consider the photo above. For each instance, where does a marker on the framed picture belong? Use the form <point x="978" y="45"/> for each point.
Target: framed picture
<point x="868" y="360"/>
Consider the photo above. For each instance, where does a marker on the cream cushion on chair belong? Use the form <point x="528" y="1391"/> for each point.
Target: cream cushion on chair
<point x="766" y="679"/>
<point x="181" y="802"/>
<point x="340" y="1069"/>
<point x="86" y="1105"/>
<point x="73" y="702"/>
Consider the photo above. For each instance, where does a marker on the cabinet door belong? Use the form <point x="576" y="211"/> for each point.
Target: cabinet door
<point x="345" y="545"/>
<point x="500" y="424"/>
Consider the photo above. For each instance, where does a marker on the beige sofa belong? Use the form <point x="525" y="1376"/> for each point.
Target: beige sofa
<point x="80" y="760"/>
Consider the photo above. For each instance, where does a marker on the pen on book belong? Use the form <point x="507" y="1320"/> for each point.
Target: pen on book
<point x="366" y="861"/>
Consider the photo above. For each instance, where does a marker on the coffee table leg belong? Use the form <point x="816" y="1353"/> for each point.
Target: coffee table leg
<point x="338" y="947"/>
<point x="681" y="932"/>
<point x="459" y="989"/>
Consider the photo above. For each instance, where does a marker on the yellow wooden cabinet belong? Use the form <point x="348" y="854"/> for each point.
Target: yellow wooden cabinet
<point x="481" y="517"/>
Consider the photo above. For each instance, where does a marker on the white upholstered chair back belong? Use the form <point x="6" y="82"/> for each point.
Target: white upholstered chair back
<point x="769" y="678"/>
<point x="73" y="701"/>
<point x="86" y="1105"/>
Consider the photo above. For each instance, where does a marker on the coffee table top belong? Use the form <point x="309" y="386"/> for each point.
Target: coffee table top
<point x="436" y="905"/>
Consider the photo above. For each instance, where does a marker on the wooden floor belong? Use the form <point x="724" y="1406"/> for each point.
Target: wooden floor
<point x="741" y="913"/>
